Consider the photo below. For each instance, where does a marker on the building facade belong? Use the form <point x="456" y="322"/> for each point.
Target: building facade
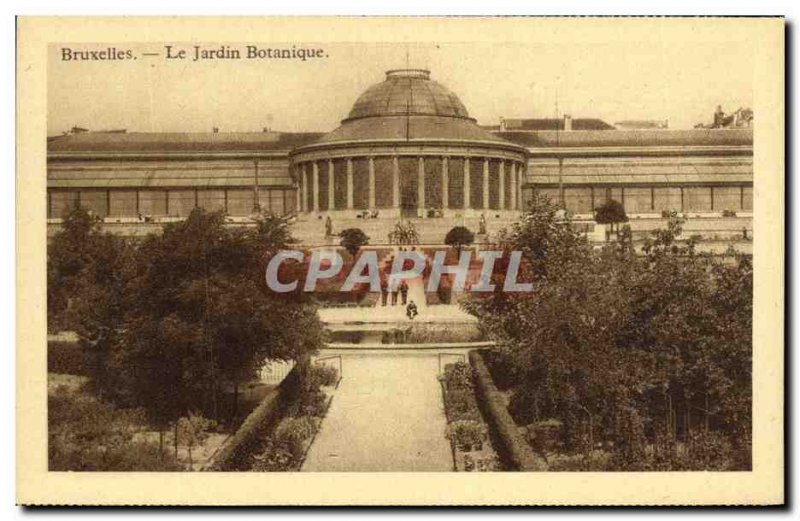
<point x="407" y="149"/>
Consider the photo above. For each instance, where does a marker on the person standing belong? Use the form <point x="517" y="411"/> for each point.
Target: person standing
<point x="403" y="292"/>
<point x="384" y="292"/>
<point x="395" y="290"/>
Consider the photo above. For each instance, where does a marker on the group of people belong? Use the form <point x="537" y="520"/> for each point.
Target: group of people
<point x="402" y="290"/>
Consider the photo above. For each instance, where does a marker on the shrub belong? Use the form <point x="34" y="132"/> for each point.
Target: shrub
<point x="353" y="239"/>
<point x="292" y="434"/>
<point x="274" y="458"/>
<point x="89" y="434"/>
<point x="467" y="435"/>
<point x="596" y="461"/>
<point x="458" y="376"/>
<point x="708" y="450"/>
<point x="458" y="237"/>
<point x="460" y="404"/>
<point x="308" y="404"/>
<point x="324" y="375"/>
<point x="544" y="436"/>
<point x="67" y="358"/>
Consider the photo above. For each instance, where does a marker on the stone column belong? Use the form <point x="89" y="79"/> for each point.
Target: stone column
<point x="502" y="187"/>
<point x="371" y="182"/>
<point x="520" y="182"/>
<point x="445" y="182"/>
<point x="298" y="205"/>
<point x="466" y="184"/>
<point x="395" y="182"/>
<point x="513" y="191"/>
<point x="421" y="186"/>
<point x="315" y="185"/>
<point x="486" y="183"/>
<point x="331" y="195"/>
<point x="305" y="187"/>
<point x="349" y="183"/>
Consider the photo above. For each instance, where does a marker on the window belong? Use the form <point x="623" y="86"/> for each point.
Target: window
<point x="61" y="202"/>
<point x="181" y="203"/>
<point x="211" y="200"/>
<point x="153" y="203"/>
<point x="275" y="201"/>
<point x="667" y="199"/>
<point x="747" y="198"/>
<point x="637" y="200"/>
<point x="697" y="199"/>
<point x="550" y="193"/>
<point x="727" y="198"/>
<point x="95" y="201"/>
<point x="240" y="201"/>
<point x="122" y="203"/>
<point x="578" y="200"/>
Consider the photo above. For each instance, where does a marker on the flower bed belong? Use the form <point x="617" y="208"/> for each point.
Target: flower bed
<point x="466" y="430"/>
<point x="285" y="448"/>
<point x="279" y="432"/>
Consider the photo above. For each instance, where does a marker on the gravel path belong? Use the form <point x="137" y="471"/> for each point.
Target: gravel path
<point x="386" y="415"/>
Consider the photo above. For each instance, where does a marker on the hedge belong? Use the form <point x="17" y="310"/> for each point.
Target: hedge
<point x="233" y="454"/>
<point x="512" y="446"/>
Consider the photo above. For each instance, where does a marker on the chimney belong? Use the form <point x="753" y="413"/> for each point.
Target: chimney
<point x="567" y="122"/>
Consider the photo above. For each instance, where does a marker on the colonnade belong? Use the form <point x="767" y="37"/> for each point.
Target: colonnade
<point x="510" y="173"/>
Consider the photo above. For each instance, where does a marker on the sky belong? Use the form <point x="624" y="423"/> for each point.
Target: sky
<point x="681" y="82"/>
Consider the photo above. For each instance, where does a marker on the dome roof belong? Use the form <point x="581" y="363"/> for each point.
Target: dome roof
<point x="407" y="91"/>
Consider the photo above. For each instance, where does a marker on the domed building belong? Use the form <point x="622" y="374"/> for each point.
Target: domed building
<point x="408" y="148"/>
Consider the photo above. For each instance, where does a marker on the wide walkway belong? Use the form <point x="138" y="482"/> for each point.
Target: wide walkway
<point x="386" y="415"/>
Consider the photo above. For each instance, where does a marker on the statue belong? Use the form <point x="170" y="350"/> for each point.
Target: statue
<point x="482" y="225"/>
<point x="328" y="226"/>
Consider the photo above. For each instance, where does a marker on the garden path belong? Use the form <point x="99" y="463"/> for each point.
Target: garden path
<point x="386" y="415"/>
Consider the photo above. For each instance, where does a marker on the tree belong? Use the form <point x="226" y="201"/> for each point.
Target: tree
<point x="89" y="273"/>
<point x="352" y="239"/>
<point x="612" y="213"/>
<point x="458" y="237"/>
<point x="192" y="430"/>
<point x="629" y="350"/>
<point x="204" y="322"/>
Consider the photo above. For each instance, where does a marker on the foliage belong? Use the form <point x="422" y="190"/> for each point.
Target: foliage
<point x="458" y="237"/>
<point x="67" y="358"/>
<point x="172" y="321"/>
<point x="292" y="434"/>
<point x="310" y="403"/>
<point x="88" y="434"/>
<point x="627" y="349"/>
<point x="404" y="233"/>
<point x="460" y="404"/>
<point x="193" y="430"/>
<point x="458" y="376"/>
<point x="324" y="375"/>
<point x="467" y="435"/>
<point x="353" y="239"/>
<point x="274" y="458"/>
<point x="610" y="212"/>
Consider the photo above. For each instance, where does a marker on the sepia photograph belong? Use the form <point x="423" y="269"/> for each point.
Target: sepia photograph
<point x="530" y="255"/>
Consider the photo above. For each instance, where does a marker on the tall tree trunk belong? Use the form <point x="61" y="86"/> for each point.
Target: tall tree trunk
<point x="161" y="442"/>
<point x="176" y="442"/>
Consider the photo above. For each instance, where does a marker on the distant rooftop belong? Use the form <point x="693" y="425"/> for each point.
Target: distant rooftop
<point x="179" y="141"/>
<point x="538" y="124"/>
